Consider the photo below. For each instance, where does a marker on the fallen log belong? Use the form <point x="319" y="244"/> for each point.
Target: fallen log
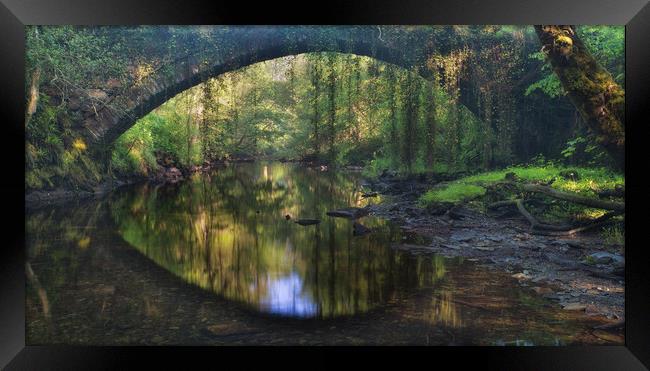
<point x="571" y="197"/>
<point x="618" y="191"/>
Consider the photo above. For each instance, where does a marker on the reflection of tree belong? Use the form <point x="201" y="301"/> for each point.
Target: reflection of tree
<point x="443" y="310"/>
<point x="226" y="233"/>
<point x="42" y="294"/>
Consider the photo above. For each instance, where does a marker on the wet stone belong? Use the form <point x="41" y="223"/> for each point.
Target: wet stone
<point x="574" y="306"/>
<point x="605" y="258"/>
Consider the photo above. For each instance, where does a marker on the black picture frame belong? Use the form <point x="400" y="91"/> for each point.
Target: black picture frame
<point x="15" y="14"/>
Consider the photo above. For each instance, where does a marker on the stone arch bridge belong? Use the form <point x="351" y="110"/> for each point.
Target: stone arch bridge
<point x="108" y="112"/>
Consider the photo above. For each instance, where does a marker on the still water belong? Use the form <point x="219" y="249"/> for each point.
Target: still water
<point x="215" y="260"/>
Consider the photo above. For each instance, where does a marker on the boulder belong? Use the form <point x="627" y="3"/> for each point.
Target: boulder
<point x="606" y="258"/>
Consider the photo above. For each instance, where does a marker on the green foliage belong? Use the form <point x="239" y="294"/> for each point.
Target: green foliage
<point x="54" y="155"/>
<point x="376" y="166"/>
<point x="455" y="192"/>
<point x="605" y="43"/>
<point x="614" y="235"/>
<point x="330" y="107"/>
<point x="549" y="85"/>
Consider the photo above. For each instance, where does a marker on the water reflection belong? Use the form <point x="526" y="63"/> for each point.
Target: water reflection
<point x="226" y="232"/>
<point x="286" y="295"/>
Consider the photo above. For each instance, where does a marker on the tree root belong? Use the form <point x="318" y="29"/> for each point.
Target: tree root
<point x="545" y="229"/>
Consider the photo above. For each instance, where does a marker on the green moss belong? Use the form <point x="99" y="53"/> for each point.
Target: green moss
<point x="455" y="192"/>
<point x="592" y="181"/>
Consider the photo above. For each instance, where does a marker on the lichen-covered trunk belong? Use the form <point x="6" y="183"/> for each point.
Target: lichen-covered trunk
<point x="591" y="88"/>
<point x="32" y="97"/>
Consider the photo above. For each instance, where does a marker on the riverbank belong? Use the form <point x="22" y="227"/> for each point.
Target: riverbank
<point x="579" y="272"/>
<point x="164" y="174"/>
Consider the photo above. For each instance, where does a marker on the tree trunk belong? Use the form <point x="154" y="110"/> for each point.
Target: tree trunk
<point x="430" y="105"/>
<point x="332" y="112"/>
<point x="598" y="98"/>
<point x="32" y="99"/>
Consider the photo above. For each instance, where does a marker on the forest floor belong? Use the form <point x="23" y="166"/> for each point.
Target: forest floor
<point x="558" y="268"/>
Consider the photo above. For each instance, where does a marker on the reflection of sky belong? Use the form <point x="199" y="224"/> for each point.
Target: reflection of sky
<point x="285" y="296"/>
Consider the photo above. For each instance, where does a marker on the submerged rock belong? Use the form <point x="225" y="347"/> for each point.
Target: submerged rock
<point x="350" y="212"/>
<point x="307" y="221"/>
<point x="359" y="229"/>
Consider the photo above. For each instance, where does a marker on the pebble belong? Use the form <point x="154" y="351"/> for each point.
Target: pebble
<point x="520" y="276"/>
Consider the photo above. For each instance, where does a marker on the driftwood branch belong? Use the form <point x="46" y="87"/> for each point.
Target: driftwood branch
<point x="537" y="225"/>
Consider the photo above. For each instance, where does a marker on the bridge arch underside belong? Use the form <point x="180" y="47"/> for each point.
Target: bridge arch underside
<point x="115" y="118"/>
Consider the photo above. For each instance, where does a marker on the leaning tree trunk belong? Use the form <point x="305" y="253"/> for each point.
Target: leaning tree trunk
<point x="32" y="97"/>
<point x="598" y="98"/>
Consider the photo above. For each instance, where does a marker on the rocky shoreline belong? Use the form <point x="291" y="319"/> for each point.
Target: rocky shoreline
<point x="579" y="272"/>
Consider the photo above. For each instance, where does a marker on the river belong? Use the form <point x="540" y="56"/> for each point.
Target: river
<point x="215" y="260"/>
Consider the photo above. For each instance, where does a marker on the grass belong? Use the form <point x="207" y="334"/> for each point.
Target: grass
<point x="592" y="180"/>
<point x="614" y="235"/>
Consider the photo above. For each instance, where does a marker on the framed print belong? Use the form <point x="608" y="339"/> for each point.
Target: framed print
<point x="207" y="180"/>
